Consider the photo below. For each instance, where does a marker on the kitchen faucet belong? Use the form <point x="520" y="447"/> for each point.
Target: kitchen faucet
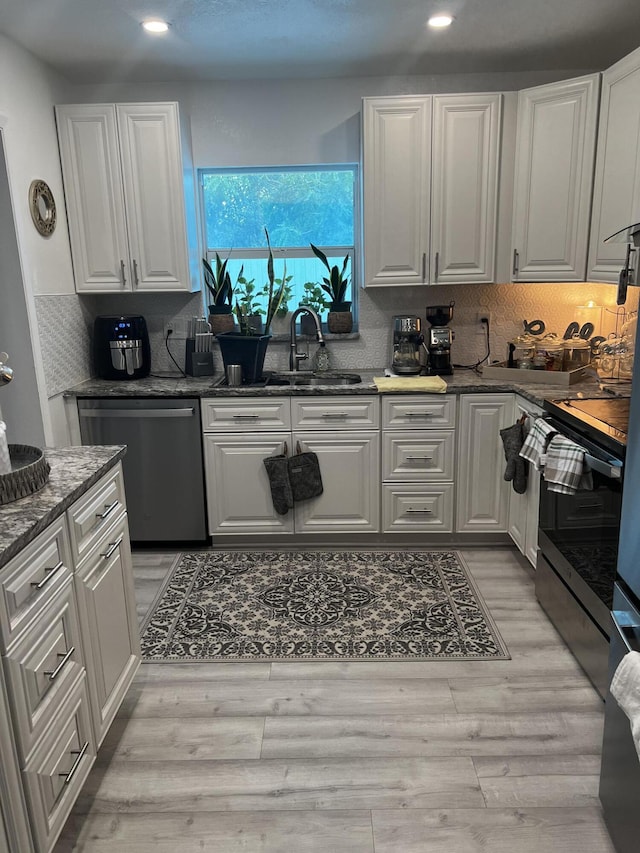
<point x="296" y="357"/>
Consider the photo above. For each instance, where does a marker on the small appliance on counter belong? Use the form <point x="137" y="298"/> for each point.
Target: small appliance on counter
<point x="439" y="340"/>
<point x="121" y="347"/>
<point x="408" y="345"/>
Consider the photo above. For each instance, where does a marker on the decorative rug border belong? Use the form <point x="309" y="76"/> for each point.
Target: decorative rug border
<point x="490" y="621"/>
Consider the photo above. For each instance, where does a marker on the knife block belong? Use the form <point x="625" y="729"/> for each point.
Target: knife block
<point x="197" y="363"/>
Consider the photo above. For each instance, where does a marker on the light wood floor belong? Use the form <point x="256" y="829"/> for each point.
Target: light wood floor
<point x="425" y="757"/>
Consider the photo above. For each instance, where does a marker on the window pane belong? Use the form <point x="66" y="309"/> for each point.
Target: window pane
<point x="297" y="206"/>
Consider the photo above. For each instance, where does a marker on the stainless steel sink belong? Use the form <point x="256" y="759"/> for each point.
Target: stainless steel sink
<point x="312" y="379"/>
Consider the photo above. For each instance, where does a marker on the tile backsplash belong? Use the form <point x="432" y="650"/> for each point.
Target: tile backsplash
<point x="65" y="323"/>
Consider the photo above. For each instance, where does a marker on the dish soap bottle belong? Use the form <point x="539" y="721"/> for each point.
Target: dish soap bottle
<point x="321" y="359"/>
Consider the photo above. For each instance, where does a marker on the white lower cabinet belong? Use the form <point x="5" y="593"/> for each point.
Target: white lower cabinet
<point x="482" y="503"/>
<point x="523" y="508"/>
<point x="70" y="649"/>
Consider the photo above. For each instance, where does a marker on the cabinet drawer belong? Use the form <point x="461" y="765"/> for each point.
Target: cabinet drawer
<point x="90" y="516"/>
<point x="27" y="581"/>
<point x="335" y="413"/>
<point x="59" y="767"/>
<point x="417" y="412"/>
<point x="418" y="456"/>
<point x="269" y="414"/>
<point x="417" y="508"/>
<point x="41" y="666"/>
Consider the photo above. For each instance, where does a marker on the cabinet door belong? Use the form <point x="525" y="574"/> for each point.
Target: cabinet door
<point x="396" y="186"/>
<point x="154" y="194"/>
<point x="106" y="604"/>
<point x="616" y="195"/>
<point x="482" y="493"/>
<point x="553" y="180"/>
<point x="350" y="469"/>
<point x="466" y="147"/>
<point x="88" y="138"/>
<point x="523" y="509"/>
<point x="238" y="491"/>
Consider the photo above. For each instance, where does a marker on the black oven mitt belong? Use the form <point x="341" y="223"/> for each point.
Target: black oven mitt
<point x="516" y="469"/>
<point x="304" y="476"/>
<point x="278" y="473"/>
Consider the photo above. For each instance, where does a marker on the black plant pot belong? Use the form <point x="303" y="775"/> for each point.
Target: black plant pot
<point x="246" y="350"/>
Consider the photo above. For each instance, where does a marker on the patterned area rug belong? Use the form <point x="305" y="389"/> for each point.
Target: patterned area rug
<point x="349" y="605"/>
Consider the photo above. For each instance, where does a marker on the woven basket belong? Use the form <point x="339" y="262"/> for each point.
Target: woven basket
<point x="30" y="473"/>
<point x="340" y="322"/>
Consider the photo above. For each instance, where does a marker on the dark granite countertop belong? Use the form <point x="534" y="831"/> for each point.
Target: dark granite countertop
<point x="462" y="382"/>
<point x="73" y="471"/>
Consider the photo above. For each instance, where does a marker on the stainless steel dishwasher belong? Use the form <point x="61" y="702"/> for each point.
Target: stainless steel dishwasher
<point x="163" y="467"/>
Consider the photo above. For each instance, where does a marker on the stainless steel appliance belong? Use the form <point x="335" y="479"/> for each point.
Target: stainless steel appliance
<point x="121" y="347"/>
<point x="578" y="533"/>
<point x="439" y="340"/>
<point x="163" y="467"/>
<point x="408" y="344"/>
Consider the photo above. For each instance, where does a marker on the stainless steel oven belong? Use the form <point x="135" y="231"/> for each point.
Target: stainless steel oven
<point x="578" y="551"/>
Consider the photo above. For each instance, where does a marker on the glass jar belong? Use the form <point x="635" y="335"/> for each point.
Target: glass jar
<point x="522" y="348"/>
<point x="552" y="350"/>
<point x="577" y="353"/>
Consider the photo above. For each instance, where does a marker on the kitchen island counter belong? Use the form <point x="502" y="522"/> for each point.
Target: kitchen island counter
<point x="74" y="470"/>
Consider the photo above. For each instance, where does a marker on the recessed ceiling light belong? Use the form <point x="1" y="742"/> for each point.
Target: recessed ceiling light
<point x="440" y="21"/>
<point x="155" y="26"/>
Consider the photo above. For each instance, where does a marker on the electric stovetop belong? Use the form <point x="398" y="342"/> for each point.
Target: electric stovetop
<point x="604" y="420"/>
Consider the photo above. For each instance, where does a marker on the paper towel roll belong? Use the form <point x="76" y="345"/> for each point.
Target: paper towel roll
<point x="5" y="459"/>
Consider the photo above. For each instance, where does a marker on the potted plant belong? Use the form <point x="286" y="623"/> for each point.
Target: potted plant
<point x="314" y="297"/>
<point x="218" y="283"/>
<point x="339" y="319"/>
<point x="280" y="320"/>
<point x="248" y="310"/>
<point x="249" y="348"/>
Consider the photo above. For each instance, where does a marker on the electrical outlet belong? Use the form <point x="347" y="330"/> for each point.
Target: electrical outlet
<point x="481" y="328"/>
<point x="176" y="328"/>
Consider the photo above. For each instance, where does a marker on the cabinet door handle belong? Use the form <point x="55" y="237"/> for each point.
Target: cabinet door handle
<point x="419" y="414"/>
<point x="424" y="266"/>
<point x="330" y="415"/>
<point x="136" y="279"/>
<point x="245" y="417"/>
<point x="123" y="277"/>
<point x="109" y="508"/>
<point x="418" y="458"/>
<point x="49" y="574"/>
<point x="422" y="511"/>
<point x="436" y="267"/>
<point x="516" y="259"/>
<point x="113" y="546"/>
<point x="54" y="673"/>
<point x="79" y="753"/>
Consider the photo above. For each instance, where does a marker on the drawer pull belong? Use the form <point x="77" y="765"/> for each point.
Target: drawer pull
<point x="419" y="414"/>
<point x="53" y="674"/>
<point x="423" y="511"/>
<point x="245" y="417"/>
<point x="79" y="753"/>
<point x="418" y="458"/>
<point x="49" y="574"/>
<point x="335" y="415"/>
<point x="113" y="546"/>
<point x="109" y="508"/>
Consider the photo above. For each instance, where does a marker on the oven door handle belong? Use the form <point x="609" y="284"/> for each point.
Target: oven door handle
<point x="610" y="468"/>
<point x="629" y="634"/>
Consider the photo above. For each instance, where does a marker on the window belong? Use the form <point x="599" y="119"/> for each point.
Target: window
<point x="298" y="206"/>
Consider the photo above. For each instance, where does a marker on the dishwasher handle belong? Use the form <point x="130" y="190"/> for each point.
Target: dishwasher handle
<point x="137" y="413"/>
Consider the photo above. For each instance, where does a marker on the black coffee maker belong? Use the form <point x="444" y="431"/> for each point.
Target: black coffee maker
<point x="121" y="347"/>
<point x="439" y="340"/>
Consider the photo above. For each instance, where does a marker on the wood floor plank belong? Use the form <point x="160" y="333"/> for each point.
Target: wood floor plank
<point x="169" y="739"/>
<point x="565" y="781"/>
<point x="274" y="785"/>
<point x="228" y="698"/>
<point x="515" y="694"/>
<point x="491" y="831"/>
<point x="176" y="673"/>
<point x="217" y="832"/>
<point x="568" y="733"/>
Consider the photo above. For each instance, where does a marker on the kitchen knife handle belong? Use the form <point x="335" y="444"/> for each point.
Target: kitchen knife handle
<point x="516" y="259"/>
<point x="123" y="277"/>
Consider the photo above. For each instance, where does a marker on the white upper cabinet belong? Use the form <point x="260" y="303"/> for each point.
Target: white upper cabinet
<point x="553" y="180"/>
<point x="616" y="195"/>
<point x="464" y="187"/>
<point x="396" y="180"/>
<point x="130" y="197"/>
<point x="430" y="178"/>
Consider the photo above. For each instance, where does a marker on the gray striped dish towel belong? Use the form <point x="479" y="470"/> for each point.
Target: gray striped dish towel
<point x="535" y="444"/>
<point x="565" y="469"/>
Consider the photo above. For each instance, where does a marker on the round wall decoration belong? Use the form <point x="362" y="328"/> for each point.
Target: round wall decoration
<point x="43" y="207"/>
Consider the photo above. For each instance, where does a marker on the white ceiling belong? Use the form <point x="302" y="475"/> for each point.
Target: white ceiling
<point x="98" y="40"/>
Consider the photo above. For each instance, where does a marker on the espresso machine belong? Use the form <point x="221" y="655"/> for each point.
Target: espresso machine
<point x="439" y="340"/>
<point x="408" y="345"/>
